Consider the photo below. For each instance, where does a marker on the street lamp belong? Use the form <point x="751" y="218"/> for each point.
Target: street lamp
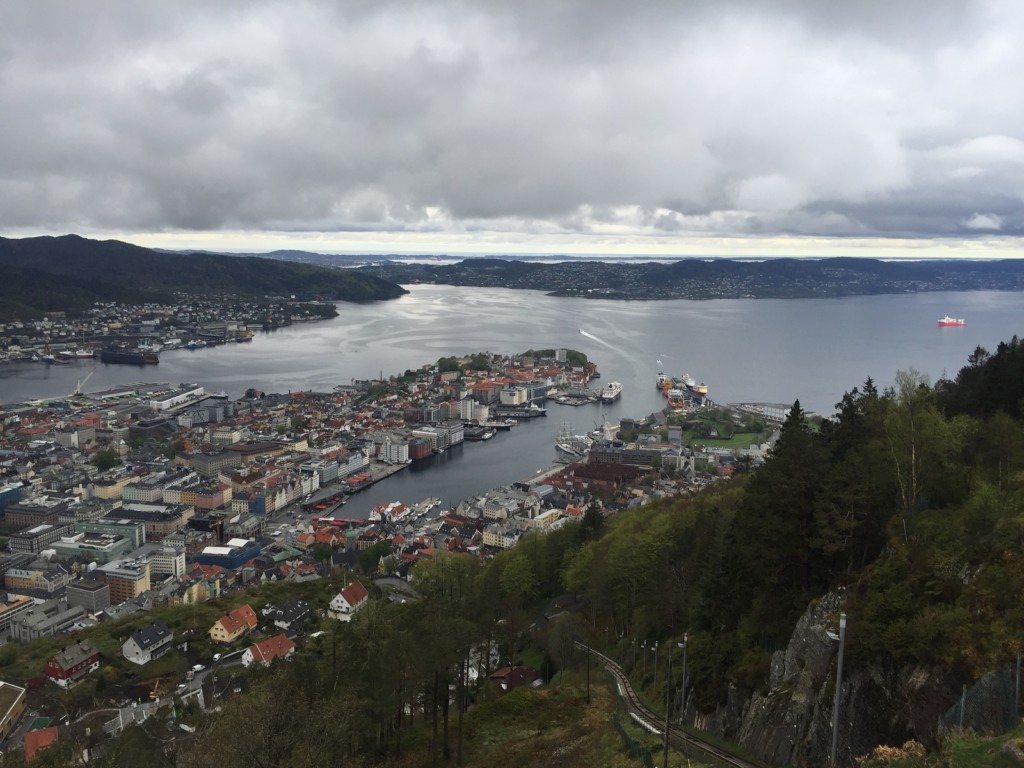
<point x="644" y="647"/>
<point x="839" y="683"/>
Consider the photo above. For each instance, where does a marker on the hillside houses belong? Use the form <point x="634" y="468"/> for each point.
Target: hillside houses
<point x="266" y="651"/>
<point x="348" y="602"/>
<point x="233" y="625"/>
<point x="148" y="643"/>
<point x="72" y="664"/>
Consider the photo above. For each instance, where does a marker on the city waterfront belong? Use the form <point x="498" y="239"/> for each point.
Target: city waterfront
<point x="744" y="350"/>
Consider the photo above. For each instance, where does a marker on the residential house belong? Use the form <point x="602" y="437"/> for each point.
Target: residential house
<point x="344" y="605"/>
<point x="72" y="664"/>
<point x="39" y="739"/>
<point x="233" y="625"/>
<point x="510" y="678"/>
<point x="277" y="647"/>
<point x="289" y="616"/>
<point x="148" y="643"/>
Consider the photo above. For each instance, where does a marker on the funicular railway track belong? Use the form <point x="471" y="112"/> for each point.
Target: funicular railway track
<point x="654" y="722"/>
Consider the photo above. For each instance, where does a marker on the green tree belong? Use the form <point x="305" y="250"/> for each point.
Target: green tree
<point x="322" y="552"/>
<point x="106" y="459"/>
<point x="369" y="558"/>
<point x="593" y="520"/>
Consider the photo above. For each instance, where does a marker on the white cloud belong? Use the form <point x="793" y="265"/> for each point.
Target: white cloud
<point x="984" y="221"/>
<point x="740" y="118"/>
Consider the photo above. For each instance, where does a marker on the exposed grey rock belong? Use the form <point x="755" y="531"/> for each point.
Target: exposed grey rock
<point x="791" y="724"/>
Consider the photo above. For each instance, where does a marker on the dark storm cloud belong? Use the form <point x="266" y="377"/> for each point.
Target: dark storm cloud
<point x="716" y="118"/>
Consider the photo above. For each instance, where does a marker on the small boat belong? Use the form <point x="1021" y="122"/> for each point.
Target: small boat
<point x="947" y="322"/>
<point x="81" y="353"/>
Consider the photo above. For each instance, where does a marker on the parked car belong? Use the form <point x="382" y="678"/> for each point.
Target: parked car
<point x="198" y="668"/>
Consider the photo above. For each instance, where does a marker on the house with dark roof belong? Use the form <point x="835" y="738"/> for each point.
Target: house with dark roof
<point x="510" y="678"/>
<point x="72" y="664"/>
<point x="289" y="616"/>
<point x="344" y="605"/>
<point x="148" y="643"/>
<point x="277" y="647"/>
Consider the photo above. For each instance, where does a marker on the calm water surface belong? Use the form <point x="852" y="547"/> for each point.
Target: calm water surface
<point x="745" y="350"/>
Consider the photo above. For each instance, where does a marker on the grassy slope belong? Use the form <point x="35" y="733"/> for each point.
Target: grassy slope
<point x="548" y="726"/>
<point x="959" y="751"/>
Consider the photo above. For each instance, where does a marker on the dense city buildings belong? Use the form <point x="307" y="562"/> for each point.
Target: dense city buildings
<point x="149" y="494"/>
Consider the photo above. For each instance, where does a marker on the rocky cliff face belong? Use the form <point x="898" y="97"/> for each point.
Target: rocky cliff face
<point x="791" y="724"/>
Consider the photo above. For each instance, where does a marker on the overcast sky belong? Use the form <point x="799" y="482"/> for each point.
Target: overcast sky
<point x="659" y="127"/>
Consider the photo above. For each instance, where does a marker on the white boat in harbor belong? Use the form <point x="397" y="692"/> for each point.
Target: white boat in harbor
<point x="611" y="392"/>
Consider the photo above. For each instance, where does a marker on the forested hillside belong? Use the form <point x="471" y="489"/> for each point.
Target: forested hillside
<point x="69" y="272"/>
<point x="907" y="504"/>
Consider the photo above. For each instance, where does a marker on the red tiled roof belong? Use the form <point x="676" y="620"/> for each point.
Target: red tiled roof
<point x="276" y="647"/>
<point x="354" y="593"/>
<point x="243" y="616"/>
<point x="37" y="739"/>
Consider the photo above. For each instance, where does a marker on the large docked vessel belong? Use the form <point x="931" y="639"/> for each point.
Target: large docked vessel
<point x="947" y="321"/>
<point x="611" y="392"/>
<point x="570" y="446"/>
<point x="127" y="356"/>
<point x="685" y="383"/>
<point x="683" y="392"/>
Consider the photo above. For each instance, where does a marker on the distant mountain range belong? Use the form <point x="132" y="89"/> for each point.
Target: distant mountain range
<point x="70" y="273"/>
<point x="717" y="278"/>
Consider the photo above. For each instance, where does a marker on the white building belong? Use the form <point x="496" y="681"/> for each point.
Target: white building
<point x="395" y="452"/>
<point x="345" y="604"/>
<point x="148" y="643"/>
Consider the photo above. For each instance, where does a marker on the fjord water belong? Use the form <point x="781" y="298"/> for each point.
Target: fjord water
<point x="745" y="350"/>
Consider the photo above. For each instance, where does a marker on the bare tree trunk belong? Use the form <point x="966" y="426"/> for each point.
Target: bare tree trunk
<point x="446" y="750"/>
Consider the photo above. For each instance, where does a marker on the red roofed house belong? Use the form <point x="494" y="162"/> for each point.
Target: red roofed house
<point x="344" y="605"/>
<point x="232" y="626"/>
<point x="37" y="739"/>
<point x="277" y="647"/>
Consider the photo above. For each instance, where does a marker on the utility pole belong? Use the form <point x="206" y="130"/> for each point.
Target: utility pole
<point x="668" y="704"/>
<point x="682" y="685"/>
<point x="655" y="663"/>
<point x="588" y="672"/>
